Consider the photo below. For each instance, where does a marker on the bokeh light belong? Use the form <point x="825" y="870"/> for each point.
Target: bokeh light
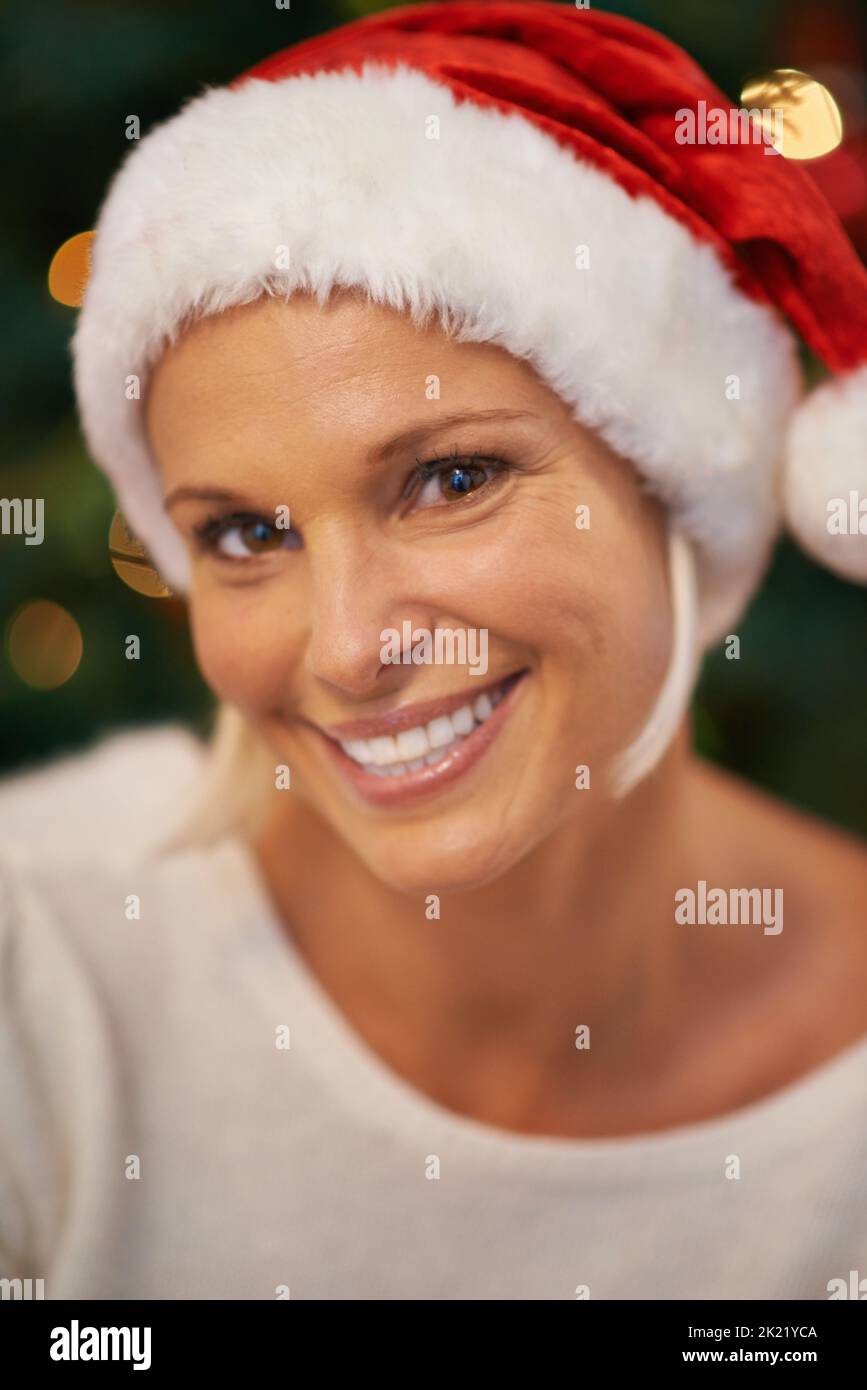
<point x="69" y="270"/>
<point x="44" y="644"/>
<point x="811" y="119"/>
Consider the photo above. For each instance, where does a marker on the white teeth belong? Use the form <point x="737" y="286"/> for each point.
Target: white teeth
<point x="482" y="707"/>
<point x="412" y="743"/>
<point x="440" y="731"/>
<point x="437" y="755"/>
<point x="383" y="750"/>
<point x="463" y="720"/>
<point x="413" y="749"/>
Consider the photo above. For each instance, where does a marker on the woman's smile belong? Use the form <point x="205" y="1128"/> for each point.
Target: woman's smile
<point x="417" y="749"/>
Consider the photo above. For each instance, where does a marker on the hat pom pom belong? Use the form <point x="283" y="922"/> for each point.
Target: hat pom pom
<point x="825" y="475"/>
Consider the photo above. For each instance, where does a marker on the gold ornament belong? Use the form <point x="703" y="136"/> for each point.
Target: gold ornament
<point x="131" y="561"/>
<point x="70" y="270"/>
<point x="808" y="114"/>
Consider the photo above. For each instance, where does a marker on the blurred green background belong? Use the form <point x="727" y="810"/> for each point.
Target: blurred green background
<point x="790" y="715"/>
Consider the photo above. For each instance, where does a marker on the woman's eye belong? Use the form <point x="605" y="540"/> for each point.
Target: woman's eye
<point x="448" y="480"/>
<point x="242" y="537"/>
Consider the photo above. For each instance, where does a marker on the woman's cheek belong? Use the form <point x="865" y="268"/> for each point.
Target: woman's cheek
<point x="243" y="651"/>
<point x="640" y="611"/>
<point x="522" y="574"/>
<point x="600" y="607"/>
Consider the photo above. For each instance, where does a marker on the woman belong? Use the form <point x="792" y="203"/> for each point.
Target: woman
<point x="458" y="398"/>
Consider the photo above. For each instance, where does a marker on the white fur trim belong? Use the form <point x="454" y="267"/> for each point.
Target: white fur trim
<point x="643" y="754"/>
<point x="479" y="227"/>
<point x="825" y="477"/>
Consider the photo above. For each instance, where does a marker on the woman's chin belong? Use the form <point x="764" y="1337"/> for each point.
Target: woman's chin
<point x="422" y="871"/>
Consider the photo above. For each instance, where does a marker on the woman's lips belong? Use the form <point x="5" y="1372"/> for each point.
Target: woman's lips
<point x="407" y="716"/>
<point x="458" y="758"/>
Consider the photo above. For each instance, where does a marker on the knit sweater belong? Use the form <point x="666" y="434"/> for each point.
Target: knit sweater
<point x="187" y="1114"/>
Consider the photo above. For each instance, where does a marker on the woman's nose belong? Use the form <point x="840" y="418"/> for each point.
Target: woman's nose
<point x="358" y="590"/>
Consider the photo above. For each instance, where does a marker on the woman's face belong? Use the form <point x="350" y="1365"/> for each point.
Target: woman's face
<point x="430" y="487"/>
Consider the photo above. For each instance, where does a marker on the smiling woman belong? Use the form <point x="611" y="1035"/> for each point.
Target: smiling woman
<point x="455" y="903"/>
<point x="323" y="410"/>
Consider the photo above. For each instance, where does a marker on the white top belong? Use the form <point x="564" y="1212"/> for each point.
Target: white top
<point x="316" y="1166"/>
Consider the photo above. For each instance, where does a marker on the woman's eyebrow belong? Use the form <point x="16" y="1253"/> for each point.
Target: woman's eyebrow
<point x="203" y="494"/>
<point x="412" y="437"/>
<point x="381" y="452"/>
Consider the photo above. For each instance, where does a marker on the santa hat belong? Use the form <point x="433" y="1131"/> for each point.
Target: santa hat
<point x="515" y="169"/>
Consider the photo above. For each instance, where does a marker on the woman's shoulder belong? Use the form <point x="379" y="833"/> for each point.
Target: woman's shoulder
<point x="818" y="869"/>
<point x="815" y="875"/>
<point x="106" y="802"/>
<point x="79" y="853"/>
<point x="89" y="903"/>
<point x="784" y="837"/>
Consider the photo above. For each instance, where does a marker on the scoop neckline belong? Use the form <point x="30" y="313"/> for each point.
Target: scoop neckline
<point x="796" y="1113"/>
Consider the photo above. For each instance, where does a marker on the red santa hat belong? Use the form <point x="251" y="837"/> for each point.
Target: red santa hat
<point x="515" y="168"/>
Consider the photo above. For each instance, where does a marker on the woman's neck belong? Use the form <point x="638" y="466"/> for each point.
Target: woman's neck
<point x="581" y="934"/>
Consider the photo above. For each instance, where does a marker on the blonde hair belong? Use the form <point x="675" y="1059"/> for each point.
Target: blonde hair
<point x="233" y="796"/>
<point x="235" y="793"/>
